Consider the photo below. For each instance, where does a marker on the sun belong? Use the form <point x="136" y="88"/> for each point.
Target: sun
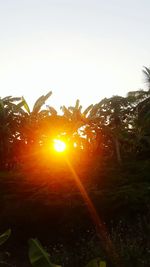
<point x="59" y="145"/>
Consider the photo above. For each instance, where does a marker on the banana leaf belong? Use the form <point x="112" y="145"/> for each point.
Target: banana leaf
<point x="96" y="263"/>
<point x="38" y="256"/>
<point x="5" y="236"/>
<point x="40" y="102"/>
<point x="25" y="105"/>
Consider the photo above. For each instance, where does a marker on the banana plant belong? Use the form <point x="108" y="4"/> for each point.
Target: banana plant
<point x="77" y="119"/>
<point x="96" y="263"/>
<point x="5" y="236"/>
<point x="31" y="119"/>
<point x="75" y="114"/>
<point x="146" y="72"/>
<point x="39" y="257"/>
<point x="111" y="116"/>
<point x="37" y="105"/>
<point x="9" y="126"/>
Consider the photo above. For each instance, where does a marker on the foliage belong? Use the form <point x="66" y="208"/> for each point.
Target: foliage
<point x="5" y="236"/>
<point x="40" y="258"/>
<point x="96" y="263"/>
<point x="109" y="148"/>
<point x="116" y="127"/>
<point x="38" y="255"/>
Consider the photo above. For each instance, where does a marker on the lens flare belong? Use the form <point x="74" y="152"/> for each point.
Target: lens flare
<point x="100" y="226"/>
<point x="59" y="146"/>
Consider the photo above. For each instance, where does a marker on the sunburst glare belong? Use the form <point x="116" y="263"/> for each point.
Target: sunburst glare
<point x="59" y="146"/>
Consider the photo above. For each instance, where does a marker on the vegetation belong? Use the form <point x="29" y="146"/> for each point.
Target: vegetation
<point x="114" y="127"/>
<point x="43" y="193"/>
<point x="39" y="257"/>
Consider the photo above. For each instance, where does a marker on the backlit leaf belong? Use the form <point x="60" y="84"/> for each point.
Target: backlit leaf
<point x="5" y="236"/>
<point x="38" y="256"/>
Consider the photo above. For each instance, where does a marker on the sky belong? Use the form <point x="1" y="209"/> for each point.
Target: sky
<point x="78" y="49"/>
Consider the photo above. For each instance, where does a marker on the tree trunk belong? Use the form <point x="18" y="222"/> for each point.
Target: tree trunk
<point x="117" y="148"/>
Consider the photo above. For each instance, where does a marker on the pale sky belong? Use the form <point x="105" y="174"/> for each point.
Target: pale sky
<point x="84" y="49"/>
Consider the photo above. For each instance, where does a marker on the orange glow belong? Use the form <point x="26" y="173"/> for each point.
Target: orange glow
<point x="59" y="146"/>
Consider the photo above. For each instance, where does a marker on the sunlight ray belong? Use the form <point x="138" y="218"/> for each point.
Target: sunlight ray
<point x="100" y="226"/>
